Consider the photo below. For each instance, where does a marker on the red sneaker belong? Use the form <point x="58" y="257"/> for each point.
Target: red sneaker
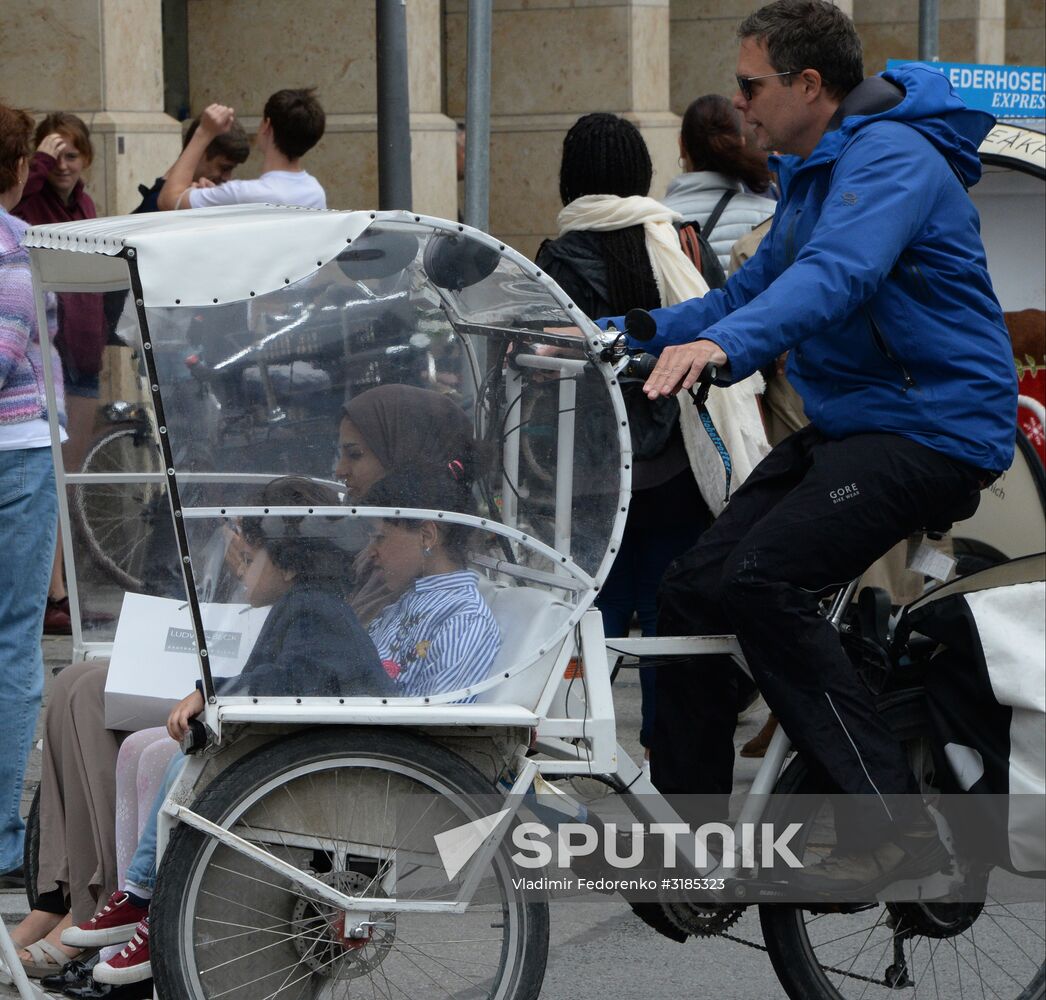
<point x="56" y="617"/>
<point x="132" y="964"/>
<point x="113" y="923"/>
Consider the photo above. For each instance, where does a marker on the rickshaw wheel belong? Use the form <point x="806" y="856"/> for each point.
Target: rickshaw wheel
<point x="31" y="850"/>
<point x="356" y="808"/>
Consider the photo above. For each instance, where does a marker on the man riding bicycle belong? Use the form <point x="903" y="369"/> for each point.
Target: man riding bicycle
<point x="874" y="278"/>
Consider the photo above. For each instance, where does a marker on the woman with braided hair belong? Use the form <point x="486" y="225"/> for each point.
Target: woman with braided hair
<point x="617" y="250"/>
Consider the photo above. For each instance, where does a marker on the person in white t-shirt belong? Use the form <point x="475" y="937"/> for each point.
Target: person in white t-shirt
<point x="292" y="123"/>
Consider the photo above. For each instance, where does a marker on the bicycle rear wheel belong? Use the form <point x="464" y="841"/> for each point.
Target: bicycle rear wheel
<point x="956" y="950"/>
<point x="114" y="518"/>
<point x="330" y="802"/>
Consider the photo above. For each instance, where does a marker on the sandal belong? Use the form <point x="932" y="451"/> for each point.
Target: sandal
<point x="47" y="959"/>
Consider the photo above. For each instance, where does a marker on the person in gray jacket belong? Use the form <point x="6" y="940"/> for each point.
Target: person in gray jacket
<point x="725" y="179"/>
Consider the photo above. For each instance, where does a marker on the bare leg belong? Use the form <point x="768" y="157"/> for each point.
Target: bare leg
<point x="56" y="588"/>
<point x="38" y="924"/>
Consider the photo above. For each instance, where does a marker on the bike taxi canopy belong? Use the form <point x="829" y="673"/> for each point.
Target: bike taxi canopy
<point x="370" y="404"/>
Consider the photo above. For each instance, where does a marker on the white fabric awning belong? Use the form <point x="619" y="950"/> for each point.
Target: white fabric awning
<point x="196" y="257"/>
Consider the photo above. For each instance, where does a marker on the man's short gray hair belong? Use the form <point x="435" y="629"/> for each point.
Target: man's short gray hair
<point x="809" y="34"/>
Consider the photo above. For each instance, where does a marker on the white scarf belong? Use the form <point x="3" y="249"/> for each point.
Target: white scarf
<point x="735" y="413"/>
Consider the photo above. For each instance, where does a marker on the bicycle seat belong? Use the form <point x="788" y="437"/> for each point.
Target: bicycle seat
<point x="963" y="509"/>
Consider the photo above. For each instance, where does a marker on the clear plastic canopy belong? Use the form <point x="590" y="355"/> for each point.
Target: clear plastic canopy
<point x="388" y="470"/>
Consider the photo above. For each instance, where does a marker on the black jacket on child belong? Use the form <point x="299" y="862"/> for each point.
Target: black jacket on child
<point x="311" y="645"/>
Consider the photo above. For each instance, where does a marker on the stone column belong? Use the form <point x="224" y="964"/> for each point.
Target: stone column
<point x="240" y="51"/>
<point x="102" y="60"/>
<point x="970" y="31"/>
<point x="552" y="63"/>
<point x="1025" y="32"/>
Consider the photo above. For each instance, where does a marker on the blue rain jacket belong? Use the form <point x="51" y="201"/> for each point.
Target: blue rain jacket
<point x="874" y="277"/>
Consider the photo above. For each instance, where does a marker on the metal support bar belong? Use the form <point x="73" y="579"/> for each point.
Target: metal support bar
<point x="15" y="972"/>
<point x="510" y="447"/>
<point x="61" y="477"/>
<point x="841" y="602"/>
<point x="394" y="179"/>
<point x="929" y="33"/>
<point x="305" y="881"/>
<point x="565" y="463"/>
<point x="678" y="645"/>
<point x="477" y="116"/>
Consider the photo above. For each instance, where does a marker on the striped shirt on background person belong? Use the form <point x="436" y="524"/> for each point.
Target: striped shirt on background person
<point x="439" y="636"/>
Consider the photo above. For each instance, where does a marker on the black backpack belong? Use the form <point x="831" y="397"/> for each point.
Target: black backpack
<point x="700" y="253"/>
<point x="696" y="246"/>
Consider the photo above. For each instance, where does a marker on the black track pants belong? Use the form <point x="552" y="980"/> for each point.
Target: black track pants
<point x="814" y="514"/>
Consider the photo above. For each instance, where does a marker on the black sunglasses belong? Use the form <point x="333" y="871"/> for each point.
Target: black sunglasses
<point x="744" y="83"/>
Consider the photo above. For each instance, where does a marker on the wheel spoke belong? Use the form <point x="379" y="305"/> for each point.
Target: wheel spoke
<point x="1010" y="937"/>
<point x="272" y="939"/>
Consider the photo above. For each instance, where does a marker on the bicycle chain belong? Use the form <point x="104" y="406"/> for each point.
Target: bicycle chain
<point x="711" y="923"/>
<point x="827" y="968"/>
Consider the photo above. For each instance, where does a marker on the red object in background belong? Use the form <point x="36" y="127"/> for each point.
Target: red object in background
<point x="1027" y="328"/>
<point x="1031" y="382"/>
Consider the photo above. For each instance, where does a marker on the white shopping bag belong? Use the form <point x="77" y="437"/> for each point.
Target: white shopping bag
<point x="154" y="663"/>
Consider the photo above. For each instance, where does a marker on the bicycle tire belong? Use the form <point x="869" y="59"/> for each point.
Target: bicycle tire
<point x="31" y="850"/>
<point x="111" y="519"/>
<point x="262" y="792"/>
<point x="786" y="934"/>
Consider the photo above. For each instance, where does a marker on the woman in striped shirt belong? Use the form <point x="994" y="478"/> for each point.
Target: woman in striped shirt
<point x="440" y="635"/>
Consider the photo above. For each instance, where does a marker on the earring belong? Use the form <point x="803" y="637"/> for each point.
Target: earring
<point x="427" y="551"/>
<point x="682" y="165"/>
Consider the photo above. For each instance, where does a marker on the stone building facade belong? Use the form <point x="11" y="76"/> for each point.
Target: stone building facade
<point x="131" y="67"/>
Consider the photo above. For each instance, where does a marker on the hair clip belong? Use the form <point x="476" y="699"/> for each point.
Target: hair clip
<point x="457" y="470"/>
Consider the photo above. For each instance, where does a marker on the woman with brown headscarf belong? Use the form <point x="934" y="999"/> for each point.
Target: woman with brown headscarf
<point x="394" y="428"/>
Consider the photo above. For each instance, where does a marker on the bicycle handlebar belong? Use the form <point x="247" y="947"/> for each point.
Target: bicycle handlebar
<point x="641" y="326"/>
<point x="640" y="366"/>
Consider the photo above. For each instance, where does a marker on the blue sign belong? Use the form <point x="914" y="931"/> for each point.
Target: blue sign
<point x="1004" y="91"/>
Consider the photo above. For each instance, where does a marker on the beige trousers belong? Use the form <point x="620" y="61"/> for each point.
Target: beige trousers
<point x="78" y="791"/>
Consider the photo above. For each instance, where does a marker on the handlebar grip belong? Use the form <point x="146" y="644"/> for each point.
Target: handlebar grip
<point x="639" y="366"/>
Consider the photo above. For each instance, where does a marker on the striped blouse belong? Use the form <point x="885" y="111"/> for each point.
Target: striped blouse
<point x="439" y="636"/>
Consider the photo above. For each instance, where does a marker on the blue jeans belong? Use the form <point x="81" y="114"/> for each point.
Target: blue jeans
<point x="28" y="520"/>
<point x="141" y="872"/>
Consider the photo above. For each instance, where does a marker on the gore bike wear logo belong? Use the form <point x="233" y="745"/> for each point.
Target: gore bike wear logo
<point x="841" y="493"/>
<point x="219" y="643"/>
